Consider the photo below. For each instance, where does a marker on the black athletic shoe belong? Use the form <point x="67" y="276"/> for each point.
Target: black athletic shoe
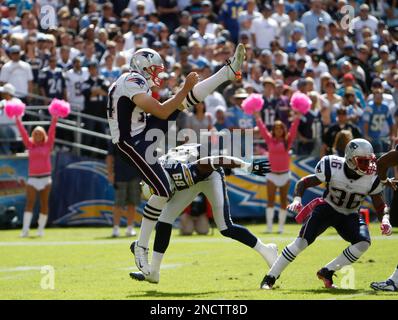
<point x="327" y="277"/>
<point x="268" y="282"/>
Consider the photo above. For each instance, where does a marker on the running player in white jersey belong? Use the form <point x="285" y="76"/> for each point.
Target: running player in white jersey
<point x="348" y="181"/>
<point x="388" y="160"/>
<point x="74" y="81"/>
<point x="133" y="112"/>
<point x="206" y="175"/>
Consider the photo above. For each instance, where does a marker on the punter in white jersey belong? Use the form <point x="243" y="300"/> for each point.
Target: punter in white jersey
<point x="74" y="81"/>
<point x="190" y="177"/>
<point x="348" y="181"/>
<point x="133" y="112"/>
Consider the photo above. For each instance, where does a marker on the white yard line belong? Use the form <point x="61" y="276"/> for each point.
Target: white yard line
<point x="174" y="240"/>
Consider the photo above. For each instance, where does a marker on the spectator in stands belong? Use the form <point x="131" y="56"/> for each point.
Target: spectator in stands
<point x="199" y="120"/>
<point x="311" y="19"/>
<point x="52" y="83"/>
<point x="39" y="147"/>
<point x="8" y="130"/>
<point x="74" y="80"/>
<point x="18" y="73"/>
<point x="95" y="92"/>
<point x="341" y="124"/>
<point x="126" y="182"/>
<point x="340" y="142"/>
<point x="264" y="30"/>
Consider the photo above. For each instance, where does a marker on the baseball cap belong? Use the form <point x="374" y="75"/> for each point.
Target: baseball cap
<point x="220" y="108"/>
<point x="241" y="93"/>
<point x="302" y="44"/>
<point x="349" y="90"/>
<point x="384" y="49"/>
<point x="206" y="3"/>
<point x="14" y="49"/>
<point x="8" y="88"/>
<point x="267" y="80"/>
<point x="349" y="76"/>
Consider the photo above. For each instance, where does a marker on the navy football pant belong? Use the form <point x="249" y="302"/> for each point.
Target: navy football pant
<point x="351" y="228"/>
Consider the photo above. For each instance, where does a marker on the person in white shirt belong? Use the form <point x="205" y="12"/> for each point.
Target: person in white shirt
<point x="148" y="4"/>
<point x="364" y="20"/>
<point x="279" y="15"/>
<point x="74" y="80"/>
<point x="18" y="73"/>
<point x="318" y="67"/>
<point x="265" y="29"/>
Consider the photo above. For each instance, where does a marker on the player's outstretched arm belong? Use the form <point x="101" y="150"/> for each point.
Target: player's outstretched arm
<point x="383" y="214"/>
<point x="165" y="109"/>
<point x="302" y="185"/>
<point x="257" y="167"/>
<point x="386" y="161"/>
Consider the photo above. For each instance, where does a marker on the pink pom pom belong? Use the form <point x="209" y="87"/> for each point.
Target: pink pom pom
<point x="59" y="108"/>
<point x="300" y="102"/>
<point x="253" y="103"/>
<point x="14" y="109"/>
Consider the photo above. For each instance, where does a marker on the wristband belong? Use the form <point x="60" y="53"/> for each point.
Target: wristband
<point x="384" y="181"/>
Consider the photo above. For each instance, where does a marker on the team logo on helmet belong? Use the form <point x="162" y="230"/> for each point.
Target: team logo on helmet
<point x="147" y="54"/>
<point x="353" y="146"/>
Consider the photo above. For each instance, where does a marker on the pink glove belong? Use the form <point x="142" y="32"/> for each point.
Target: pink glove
<point x="296" y="205"/>
<point x="386" y="228"/>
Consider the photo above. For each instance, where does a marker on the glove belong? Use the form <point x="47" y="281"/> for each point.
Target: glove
<point x="295" y="206"/>
<point x="386" y="228"/>
<point x="260" y="167"/>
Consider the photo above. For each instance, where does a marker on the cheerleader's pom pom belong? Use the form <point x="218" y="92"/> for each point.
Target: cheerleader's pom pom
<point x="59" y="108"/>
<point x="253" y="103"/>
<point x="14" y="109"/>
<point x="300" y="102"/>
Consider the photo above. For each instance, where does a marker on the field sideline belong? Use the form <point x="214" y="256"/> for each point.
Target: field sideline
<point x="90" y="265"/>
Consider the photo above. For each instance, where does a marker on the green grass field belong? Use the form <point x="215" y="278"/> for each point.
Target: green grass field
<point x="90" y="265"/>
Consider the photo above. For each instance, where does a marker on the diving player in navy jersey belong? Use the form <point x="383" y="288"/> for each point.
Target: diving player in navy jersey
<point x="132" y="112"/>
<point x="189" y="177"/>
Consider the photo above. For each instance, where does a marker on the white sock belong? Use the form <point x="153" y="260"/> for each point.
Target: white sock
<point x="152" y="211"/>
<point x="394" y="276"/>
<point x="269" y="218"/>
<point x="349" y="256"/>
<point x="42" y="221"/>
<point x="287" y="256"/>
<point x="282" y="219"/>
<point x="156" y="261"/>
<point x="201" y="90"/>
<point x="27" y="219"/>
<point x="258" y="246"/>
<point x="129" y="228"/>
<point x="115" y="228"/>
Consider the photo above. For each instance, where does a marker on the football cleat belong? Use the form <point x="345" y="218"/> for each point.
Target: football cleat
<point x="267" y="283"/>
<point x="40" y="233"/>
<point x="24" y="234"/>
<point x="327" y="277"/>
<point x="270" y="253"/>
<point x="235" y="63"/>
<point x="115" y="233"/>
<point x="140" y="257"/>
<point x="152" y="277"/>
<point x="388" y="285"/>
<point x="131" y="233"/>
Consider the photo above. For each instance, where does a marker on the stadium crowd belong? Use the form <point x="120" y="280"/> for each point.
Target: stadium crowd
<point x="344" y="59"/>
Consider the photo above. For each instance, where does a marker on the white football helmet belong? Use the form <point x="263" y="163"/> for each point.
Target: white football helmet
<point x="360" y="157"/>
<point x="148" y="63"/>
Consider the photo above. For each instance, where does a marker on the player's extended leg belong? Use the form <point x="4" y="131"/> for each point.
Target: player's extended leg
<point x="391" y="284"/>
<point x="315" y="225"/>
<point x="215" y="190"/>
<point x="155" y="177"/>
<point x="171" y="211"/>
<point x="230" y="71"/>
<point x="351" y="228"/>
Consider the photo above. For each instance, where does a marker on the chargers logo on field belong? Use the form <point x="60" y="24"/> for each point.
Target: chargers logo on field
<point x="137" y="80"/>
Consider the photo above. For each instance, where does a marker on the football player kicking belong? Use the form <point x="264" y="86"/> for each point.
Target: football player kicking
<point x="206" y="176"/>
<point x="348" y="181"/>
<point x="132" y="112"/>
<point x="390" y="159"/>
